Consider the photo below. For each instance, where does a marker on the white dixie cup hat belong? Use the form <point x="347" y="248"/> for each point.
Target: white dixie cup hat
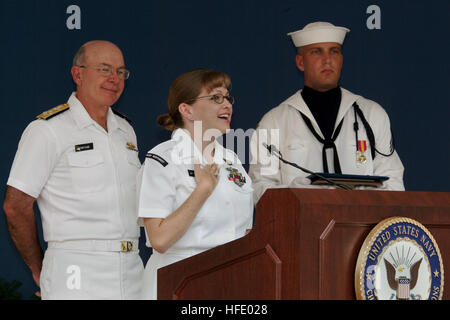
<point x="317" y="32"/>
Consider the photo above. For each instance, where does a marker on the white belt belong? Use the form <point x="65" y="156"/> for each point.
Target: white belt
<point x="96" y="245"/>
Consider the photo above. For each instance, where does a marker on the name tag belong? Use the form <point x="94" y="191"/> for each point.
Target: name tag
<point x="84" y="147"/>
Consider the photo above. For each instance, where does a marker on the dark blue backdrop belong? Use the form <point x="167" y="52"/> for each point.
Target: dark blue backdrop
<point x="404" y="66"/>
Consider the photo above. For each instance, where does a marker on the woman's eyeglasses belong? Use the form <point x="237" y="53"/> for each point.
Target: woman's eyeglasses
<point x="217" y="98"/>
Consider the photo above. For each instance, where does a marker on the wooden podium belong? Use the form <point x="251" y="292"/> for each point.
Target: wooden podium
<point x="304" y="245"/>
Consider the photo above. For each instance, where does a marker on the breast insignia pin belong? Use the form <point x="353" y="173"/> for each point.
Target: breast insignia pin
<point x="235" y="176"/>
<point x="131" y="146"/>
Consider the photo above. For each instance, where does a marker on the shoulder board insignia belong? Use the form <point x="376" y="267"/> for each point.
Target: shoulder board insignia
<point x="157" y="158"/>
<point x="117" y="113"/>
<point x="53" y="111"/>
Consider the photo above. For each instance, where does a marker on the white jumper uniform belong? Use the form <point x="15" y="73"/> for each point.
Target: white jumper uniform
<point x="168" y="180"/>
<point x="285" y="128"/>
<point x="84" y="180"/>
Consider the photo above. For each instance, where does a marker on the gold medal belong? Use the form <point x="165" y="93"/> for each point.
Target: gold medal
<point x="360" y="152"/>
<point x="360" y="157"/>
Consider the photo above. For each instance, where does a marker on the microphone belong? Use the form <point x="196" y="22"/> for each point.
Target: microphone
<point x="274" y="151"/>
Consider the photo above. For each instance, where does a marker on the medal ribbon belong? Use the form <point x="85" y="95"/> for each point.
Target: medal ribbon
<point x="362" y="145"/>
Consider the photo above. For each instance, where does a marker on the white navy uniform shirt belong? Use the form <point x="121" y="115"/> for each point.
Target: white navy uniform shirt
<point x="298" y="144"/>
<point x="84" y="178"/>
<point x="168" y="180"/>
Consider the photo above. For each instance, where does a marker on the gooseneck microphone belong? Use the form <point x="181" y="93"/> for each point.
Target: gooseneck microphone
<point x="274" y="151"/>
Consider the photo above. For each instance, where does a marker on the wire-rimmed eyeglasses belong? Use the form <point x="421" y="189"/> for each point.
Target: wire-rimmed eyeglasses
<point x="107" y="71"/>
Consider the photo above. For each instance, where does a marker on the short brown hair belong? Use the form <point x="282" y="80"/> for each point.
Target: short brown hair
<point x="186" y="88"/>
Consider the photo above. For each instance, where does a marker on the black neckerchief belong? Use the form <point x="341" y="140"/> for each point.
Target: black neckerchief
<point x="324" y="106"/>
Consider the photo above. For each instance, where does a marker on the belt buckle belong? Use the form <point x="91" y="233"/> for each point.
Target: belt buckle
<point x="126" y="246"/>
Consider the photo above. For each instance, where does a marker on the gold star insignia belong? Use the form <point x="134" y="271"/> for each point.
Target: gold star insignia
<point x="436" y="274"/>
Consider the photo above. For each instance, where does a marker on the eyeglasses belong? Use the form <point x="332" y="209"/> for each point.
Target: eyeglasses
<point x="107" y="71"/>
<point x="217" y="98"/>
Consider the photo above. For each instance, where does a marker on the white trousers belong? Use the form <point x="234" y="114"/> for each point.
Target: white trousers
<point x="88" y="275"/>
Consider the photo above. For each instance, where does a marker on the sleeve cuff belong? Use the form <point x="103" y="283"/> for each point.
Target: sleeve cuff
<point x="23" y="187"/>
<point x="154" y="213"/>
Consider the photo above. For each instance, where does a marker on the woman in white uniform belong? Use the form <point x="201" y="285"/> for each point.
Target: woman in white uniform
<point x="194" y="194"/>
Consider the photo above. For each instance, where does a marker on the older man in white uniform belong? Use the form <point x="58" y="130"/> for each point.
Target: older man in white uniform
<point x="79" y="161"/>
<point x="324" y="127"/>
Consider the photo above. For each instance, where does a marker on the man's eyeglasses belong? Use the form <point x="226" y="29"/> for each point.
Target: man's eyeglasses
<point x="217" y="98"/>
<point x="107" y="71"/>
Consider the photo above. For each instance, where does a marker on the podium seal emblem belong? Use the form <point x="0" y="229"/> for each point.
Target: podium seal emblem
<point x="399" y="260"/>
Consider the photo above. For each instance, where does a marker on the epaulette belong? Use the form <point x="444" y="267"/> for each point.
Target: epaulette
<point x="117" y="113"/>
<point x="53" y="111"/>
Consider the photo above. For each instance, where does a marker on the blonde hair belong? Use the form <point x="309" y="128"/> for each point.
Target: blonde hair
<point x="186" y="88"/>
